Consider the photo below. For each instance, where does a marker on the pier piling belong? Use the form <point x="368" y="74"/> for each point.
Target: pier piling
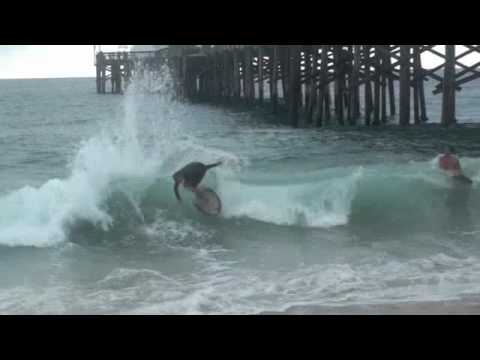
<point x="303" y="78"/>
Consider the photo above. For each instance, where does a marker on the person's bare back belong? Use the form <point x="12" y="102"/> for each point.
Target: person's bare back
<point x="449" y="163"/>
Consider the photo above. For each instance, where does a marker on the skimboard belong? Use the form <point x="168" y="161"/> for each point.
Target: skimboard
<point x="207" y="201"/>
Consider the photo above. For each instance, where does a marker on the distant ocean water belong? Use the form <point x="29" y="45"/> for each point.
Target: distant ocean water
<point x="335" y="216"/>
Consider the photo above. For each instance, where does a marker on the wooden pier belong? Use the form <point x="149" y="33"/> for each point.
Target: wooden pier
<point x="316" y="84"/>
<point x="117" y="68"/>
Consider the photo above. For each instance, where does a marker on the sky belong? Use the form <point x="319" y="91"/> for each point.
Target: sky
<point x="48" y="61"/>
<point x="54" y="61"/>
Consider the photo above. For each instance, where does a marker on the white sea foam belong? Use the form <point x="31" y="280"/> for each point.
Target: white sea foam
<point x="325" y="203"/>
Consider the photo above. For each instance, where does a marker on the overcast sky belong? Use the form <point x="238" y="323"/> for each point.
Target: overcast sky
<point x="50" y="61"/>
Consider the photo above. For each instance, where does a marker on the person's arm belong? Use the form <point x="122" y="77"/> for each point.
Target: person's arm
<point x="451" y="165"/>
<point x="178" y="179"/>
<point x="457" y="168"/>
<point x="457" y="164"/>
<point x="441" y="162"/>
<point x="175" y="189"/>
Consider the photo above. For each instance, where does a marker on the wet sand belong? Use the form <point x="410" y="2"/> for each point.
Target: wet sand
<point x="470" y="306"/>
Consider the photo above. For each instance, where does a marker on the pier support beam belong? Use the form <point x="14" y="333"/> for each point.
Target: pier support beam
<point x="417" y="82"/>
<point x="376" y="86"/>
<point x="236" y="76"/>
<point x="355" y="91"/>
<point x="248" y="80"/>
<point x="312" y="90"/>
<point x="274" y="79"/>
<point x="101" y="73"/>
<point x="339" y="84"/>
<point x="323" y="89"/>
<point x="391" y="87"/>
<point x="294" y="85"/>
<point x="98" y="65"/>
<point x="405" y="84"/>
<point x="260" y="74"/>
<point x="285" y="63"/>
<point x="308" y="74"/>
<point x="448" y="105"/>
<point x="368" y="87"/>
<point x="383" y="82"/>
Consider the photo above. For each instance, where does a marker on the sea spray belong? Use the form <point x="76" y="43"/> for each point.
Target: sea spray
<point x="42" y="216"/>
<point x="148" y="141"/>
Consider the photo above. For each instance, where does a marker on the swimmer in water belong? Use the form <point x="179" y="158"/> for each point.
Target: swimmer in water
<point x="458" y="196"/>
<point x="450" y="164"/>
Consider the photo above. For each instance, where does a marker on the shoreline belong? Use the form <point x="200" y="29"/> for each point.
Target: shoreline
<point x="465" y="306"/>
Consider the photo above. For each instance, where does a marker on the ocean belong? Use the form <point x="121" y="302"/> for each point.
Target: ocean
<point x="335" y="217"/>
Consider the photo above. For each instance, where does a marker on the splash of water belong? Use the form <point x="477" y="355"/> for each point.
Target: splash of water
<point x="42" y="216"/>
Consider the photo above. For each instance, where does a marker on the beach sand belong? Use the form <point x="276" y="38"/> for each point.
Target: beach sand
<point x="466" y="306"/>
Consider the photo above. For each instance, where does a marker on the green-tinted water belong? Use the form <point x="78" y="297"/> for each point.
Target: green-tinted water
<point x="89" y="222"/>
